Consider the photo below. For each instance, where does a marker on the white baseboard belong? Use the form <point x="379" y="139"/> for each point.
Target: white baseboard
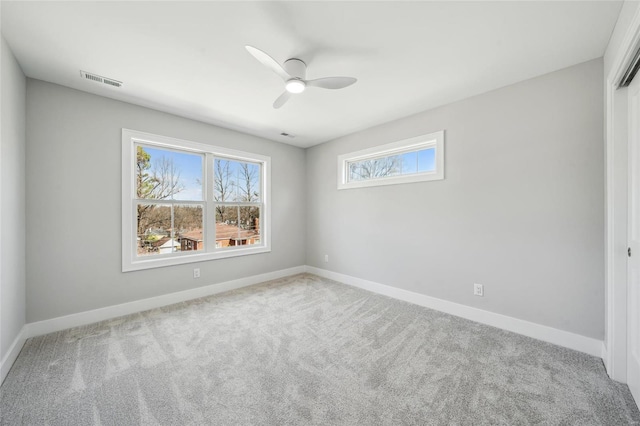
<point x="541" y="332"/>
<point x="548" y="334"/>
<point x="12" y="354"/>
<point x="89" y="317"/>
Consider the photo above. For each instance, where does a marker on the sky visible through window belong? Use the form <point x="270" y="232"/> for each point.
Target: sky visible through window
<point x="419" y="161"/>
<point x="236" y="180"/>
<point x="188" y="165"/>
<point x="189" y="168"/>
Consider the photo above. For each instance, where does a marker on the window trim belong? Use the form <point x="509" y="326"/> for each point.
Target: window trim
<point x="435" y="140"/>
<point x="130" y="261"/>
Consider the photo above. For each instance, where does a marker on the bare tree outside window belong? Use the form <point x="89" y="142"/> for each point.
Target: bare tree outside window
<point x="187" y="218"/>
<point x="157" y="180"/>
<point x="235" y="181"/>
<point x="248" y="182"/>
<point x="375" y="168"/>
<point x="249" y="191"/>
<point x="223" y="187"/>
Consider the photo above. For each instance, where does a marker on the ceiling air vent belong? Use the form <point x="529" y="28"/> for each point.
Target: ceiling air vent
<point x="100" y="79"/>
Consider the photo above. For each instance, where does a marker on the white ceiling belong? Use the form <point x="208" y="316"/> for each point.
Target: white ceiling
<point x="189" y="58"/>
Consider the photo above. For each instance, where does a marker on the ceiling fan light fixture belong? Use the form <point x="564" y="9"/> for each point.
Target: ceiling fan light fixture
<point x="295" y="86"/>
<point x="294" y="72"/>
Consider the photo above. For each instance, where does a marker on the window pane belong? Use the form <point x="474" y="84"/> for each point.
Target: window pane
<point x="409" y="163"/>
<point x="355" y="172"/>
<point x="163" y="174"/>
<point x="236" y="181"/>
<point x="188" y="226"/>
<point x="427" y="160"/>
<point x="222" y="184"/>
<point x="248" y="182"/>
<point x="237" y="226"/>
<point x="226" y="226"/>
<point x="154" y="230"/>
<point x="375" y="168"/>
<point x="249" y="225"/>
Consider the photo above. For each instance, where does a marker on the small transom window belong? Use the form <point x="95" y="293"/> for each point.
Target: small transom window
<point x="410" y="160"/>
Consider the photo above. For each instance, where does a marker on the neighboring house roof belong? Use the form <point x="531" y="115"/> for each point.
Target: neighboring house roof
<point x="170" y="243"/>
<point x="223" y="232"/>
<point x="158" y="243"/>
<point x="193" y="235"/>
<point x="230" y="232"/>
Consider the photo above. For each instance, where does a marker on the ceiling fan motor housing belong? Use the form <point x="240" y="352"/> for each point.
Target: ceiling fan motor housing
<point x="296" y="68"/>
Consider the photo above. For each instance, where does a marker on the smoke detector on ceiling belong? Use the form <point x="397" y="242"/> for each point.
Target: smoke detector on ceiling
<point x="100" y="79"/>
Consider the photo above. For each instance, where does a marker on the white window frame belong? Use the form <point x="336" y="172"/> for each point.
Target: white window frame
<point x="130" y="260"/>
<point x="435" y="140"/>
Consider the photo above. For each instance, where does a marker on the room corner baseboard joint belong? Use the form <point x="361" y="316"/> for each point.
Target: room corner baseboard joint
<point x="12" y="354"/>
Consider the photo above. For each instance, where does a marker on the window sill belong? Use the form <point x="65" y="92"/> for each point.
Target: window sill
<point x="395" y="180"/>
<point x="161" y="262"/>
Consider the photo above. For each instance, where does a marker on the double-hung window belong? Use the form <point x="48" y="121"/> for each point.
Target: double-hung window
<point x="184" y="202"/>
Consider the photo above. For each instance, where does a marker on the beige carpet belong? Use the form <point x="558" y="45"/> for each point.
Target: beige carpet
<point x="304" y="350"/>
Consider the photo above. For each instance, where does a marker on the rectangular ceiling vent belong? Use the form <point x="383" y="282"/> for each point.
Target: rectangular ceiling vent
<point x="100" y="79"/>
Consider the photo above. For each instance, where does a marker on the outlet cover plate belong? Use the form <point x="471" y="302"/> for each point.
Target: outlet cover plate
<point x="478" y="290"/>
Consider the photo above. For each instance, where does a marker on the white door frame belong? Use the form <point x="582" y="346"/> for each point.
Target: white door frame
<point x="633" y="277"/>
<point x="615" y="350"/>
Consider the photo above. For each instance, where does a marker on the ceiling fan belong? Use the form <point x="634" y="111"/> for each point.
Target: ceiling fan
<point x="294" y="72"/>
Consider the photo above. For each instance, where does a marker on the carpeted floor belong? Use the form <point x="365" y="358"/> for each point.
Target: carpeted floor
<point x="304" y="350"/>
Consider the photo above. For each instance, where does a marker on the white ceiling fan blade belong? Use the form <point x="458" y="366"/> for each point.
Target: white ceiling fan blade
<point x="281" y="99"/>
<point x="269" y="62"/>
<point x="332" y="82"/>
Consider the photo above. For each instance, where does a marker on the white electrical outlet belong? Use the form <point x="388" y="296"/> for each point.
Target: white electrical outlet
<point x="196" y="273"/>
<point x="478" y="290"/>
<point x="326" y="258"/>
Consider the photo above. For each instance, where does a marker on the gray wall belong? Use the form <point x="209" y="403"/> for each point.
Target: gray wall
<point x="74" y="203"/>
<point x="520" y="209"/>
<point x="12" y="200"/>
